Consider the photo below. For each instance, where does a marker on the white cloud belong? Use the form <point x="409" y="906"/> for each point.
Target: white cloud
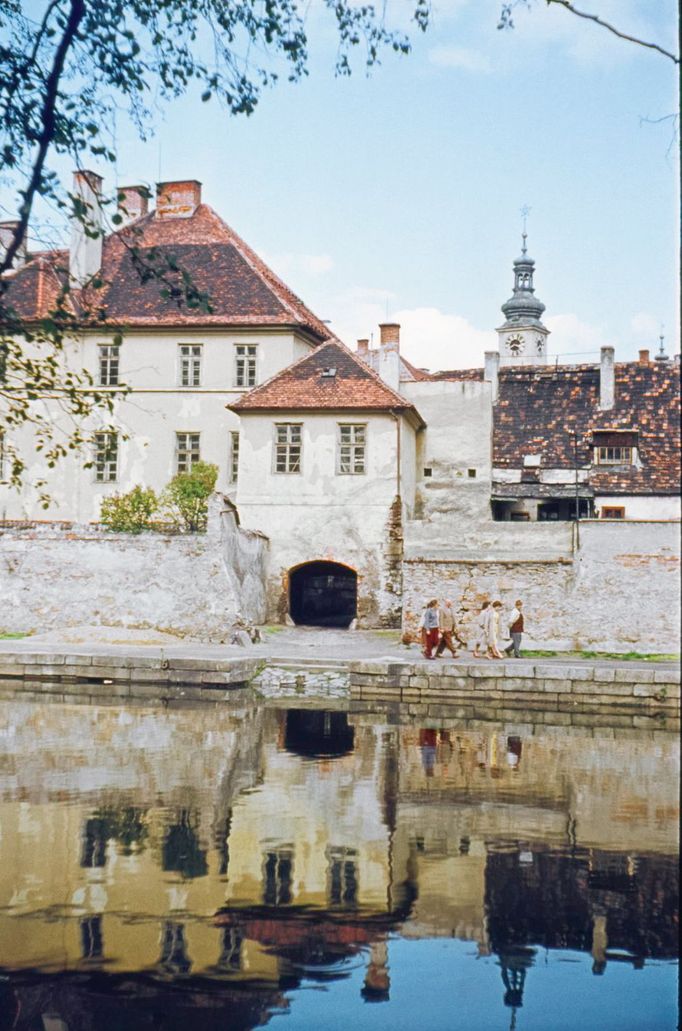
<point x="290" y="264"/>
<point x="433" y="339"/>
<point x="574" y="340"/>
<point x="460" y="57"/>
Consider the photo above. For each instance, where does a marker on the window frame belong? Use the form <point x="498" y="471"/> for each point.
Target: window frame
<point x="353" y="447"/>
<point x="187" y="450"/>
<point x="102" y="462"/>
<point x="245" y="366"/>
<point x="600" y="458"/>
<point x="233" y="458"/>
<point x="607" y="512"/>
<point x="190" y="366"/>
<point x="287" y="444"/>
<point x="109" y="365"/>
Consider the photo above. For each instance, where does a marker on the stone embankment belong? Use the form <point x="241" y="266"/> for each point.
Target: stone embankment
<point x="633" y="694"/>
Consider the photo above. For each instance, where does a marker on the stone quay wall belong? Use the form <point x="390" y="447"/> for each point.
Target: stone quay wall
<point x="573" y="695"/>
<point x="618" y="590"/>
<point x="198" y="585"/>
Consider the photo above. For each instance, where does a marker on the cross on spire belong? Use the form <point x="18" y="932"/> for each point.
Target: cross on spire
<point x="525" y="212"/>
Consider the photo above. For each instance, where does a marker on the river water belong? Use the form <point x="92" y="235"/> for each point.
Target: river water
<point x="235" y="866"/>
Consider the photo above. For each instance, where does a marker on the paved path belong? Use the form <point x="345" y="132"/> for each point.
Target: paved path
<point x="311" y="645"/>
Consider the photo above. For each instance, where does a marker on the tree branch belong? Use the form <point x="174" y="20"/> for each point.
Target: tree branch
<point x="47" y="119"/>
<point x="611" y="28"/>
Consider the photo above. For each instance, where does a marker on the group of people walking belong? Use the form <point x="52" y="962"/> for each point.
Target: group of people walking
<point x="438" y="628"/>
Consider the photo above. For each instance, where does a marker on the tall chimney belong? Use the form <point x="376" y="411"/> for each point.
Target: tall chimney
<point x="491" y="373"/>
<point x="133" y="202"/>
<point x="7" y="233"/>
<point x="607" y="380"/>
<point x="644" y="357"/>
<point x="389" y="354"/>
<point x="363" y="347"/>
<point x="178" y="199"/>
<point x="85" y="255"/>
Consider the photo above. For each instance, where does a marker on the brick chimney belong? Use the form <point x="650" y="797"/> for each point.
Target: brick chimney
<point x="389" y="354"/>
<point x="7" y="232"/>
<point x="178" y="199"/>
<point x="607" y="379"/>
<point x="363" y="348"/>
<point x="133" y="202"/>
<point x="85" y="253"/>
<point x="491" y="373"/>
<point x="644" y="357"/>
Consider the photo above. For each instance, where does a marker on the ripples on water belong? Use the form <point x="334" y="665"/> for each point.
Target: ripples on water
<point x="226" y="868"/>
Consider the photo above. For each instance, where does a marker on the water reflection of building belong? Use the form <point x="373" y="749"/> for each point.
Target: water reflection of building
<point x="299" y="839"/>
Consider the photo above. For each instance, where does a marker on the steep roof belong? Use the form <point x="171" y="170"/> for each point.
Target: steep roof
<point x="539" y="407"/>
<point x="241" y="288"/>
<point x="304" y="386"/>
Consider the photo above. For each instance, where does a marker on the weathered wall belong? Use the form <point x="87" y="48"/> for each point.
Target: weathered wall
<point x="619" y="593"/>
<point x="190" y="585"/>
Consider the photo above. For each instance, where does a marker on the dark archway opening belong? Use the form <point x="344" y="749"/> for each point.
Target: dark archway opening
<point x="323" y="594"/>
<point x="318" y="734"/>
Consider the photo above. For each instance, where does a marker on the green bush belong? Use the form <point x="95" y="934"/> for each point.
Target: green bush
<point x="131" y="512"/>
<point x="185" y="500"/>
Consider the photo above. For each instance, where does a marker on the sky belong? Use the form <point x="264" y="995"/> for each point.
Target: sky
<point x="397" y="196"/>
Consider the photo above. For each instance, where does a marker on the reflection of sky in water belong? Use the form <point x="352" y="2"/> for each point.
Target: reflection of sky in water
<point x="443" y="986"/>
<point x="375" y="873"/>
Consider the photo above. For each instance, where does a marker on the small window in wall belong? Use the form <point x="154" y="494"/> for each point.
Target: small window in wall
<point x="471" y="473"/>
<point x="428" y="472"/>
<point x="613" y="512"/>
<point x="288" y="446"/>
<point x="190" y="364"/>
<point x="342" y="877"/>
<point x="109" y="355"/>
<point x="613" y="455"/>
<point x="351" y="448"/>
<point x="246" y="357"/>
<point x="234" y="456"/>
<point x="187" y="451"/>
<point x="106" y="457"/>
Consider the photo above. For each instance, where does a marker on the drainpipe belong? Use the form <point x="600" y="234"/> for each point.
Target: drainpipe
<point x="396" y="416"/>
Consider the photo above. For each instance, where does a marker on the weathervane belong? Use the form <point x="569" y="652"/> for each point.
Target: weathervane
<point x="525" y="212"/>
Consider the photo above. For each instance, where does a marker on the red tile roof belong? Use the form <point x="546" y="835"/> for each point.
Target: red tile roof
<point x="540" y="406"/>
<point x="458" y="375"/>
<point x="242" y="290"/>
<point x="302" y="386"/>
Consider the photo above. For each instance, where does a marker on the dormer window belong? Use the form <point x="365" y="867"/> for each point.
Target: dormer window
<point x="615" y="447"/>
<point x="328" y="373"/>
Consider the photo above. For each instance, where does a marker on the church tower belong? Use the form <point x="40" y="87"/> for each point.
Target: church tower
<point x="522" y="337"/>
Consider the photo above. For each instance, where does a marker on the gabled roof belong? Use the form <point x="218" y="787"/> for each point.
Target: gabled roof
<point x="304" y="386"/>
<point x="242" y="290"/>
<point x="539" y="407"/>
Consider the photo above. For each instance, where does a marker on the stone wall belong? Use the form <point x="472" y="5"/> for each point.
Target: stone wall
<point x="618" y="592"/>
<point x="194" y="585"/>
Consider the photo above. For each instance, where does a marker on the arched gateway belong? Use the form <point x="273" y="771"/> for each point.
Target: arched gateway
<point x="323" y="594"/>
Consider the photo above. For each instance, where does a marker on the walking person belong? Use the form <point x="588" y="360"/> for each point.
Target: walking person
<point x="515" y="629"/>
<point x="446" y="623"/>
<point x="480" y="641"/>
<point x="493" y="631"/>
<point x="429" y="624"/>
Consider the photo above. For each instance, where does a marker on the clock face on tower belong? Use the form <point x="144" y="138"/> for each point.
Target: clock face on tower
<point x="515" y="345"/>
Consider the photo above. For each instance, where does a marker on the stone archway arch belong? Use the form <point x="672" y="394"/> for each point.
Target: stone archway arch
<point x="323" y="593"/>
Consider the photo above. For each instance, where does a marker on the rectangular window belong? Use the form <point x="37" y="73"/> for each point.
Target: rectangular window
<point x="613" y="512"/>
<point x="108" y="364"/>
<point x="613" y="455"/>
<point x="187" y="451"/>
<point x="234" y="456"/>
<point x="351" y="448"/>
<point x="190" y="364"/>
<point x="288" y="447"/>
<point x="246" y="356"/>
<point x="106" y="457"/>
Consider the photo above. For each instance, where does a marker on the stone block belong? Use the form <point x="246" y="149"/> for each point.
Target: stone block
<point x="79" y="659"/>
<point x="97" y="691"/>
<point x="44" y="670"/>
<point x="378" y="668"/>
<point x="611" y="689"/>
<point x="634" y="674"/>
<point x="584" y="719"/>
<point x="565" y="672"/>
<point x="11" y="670"/>
<point x="557" y="686"/>
<point x="14" y="658"/>
<point x="418" y="709"/>
<point x="418" y="682"/>
<point x="518" y="683"/>
<point x="487" y="669"/>
<point x="410" y="694"/>
<point x="519" y="669"/>
<point x="452" y="669"/>
<point x="587" y="688"/>
<point x="43" y="658"/>
<point x="484" y="684"/>
<point x="666" y="676"/>
<point x="112" y="672"/>
<point x="645" y="690"/>
<point x="156" y="676"/>
<point x="450" y="712"/>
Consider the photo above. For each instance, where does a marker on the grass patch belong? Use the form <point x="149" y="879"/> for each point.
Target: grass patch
<point x="619" y="656"/>
<point x="12" y="637"/>
<point x="393" y="635"/>
<point x="273" y="628"/>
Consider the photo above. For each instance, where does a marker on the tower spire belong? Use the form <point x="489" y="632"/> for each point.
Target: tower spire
<point x="525" y="212"/>
<point x="522" y="336"/>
